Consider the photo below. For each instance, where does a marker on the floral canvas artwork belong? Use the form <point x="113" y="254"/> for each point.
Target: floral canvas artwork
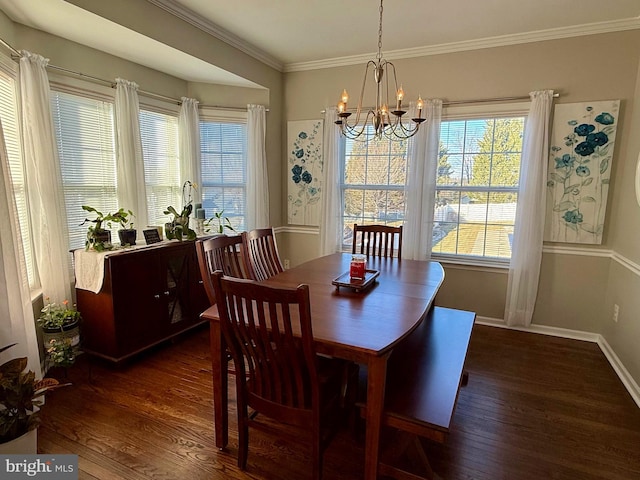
<point x="582" y="143"/>
<point x="304" y="142"/>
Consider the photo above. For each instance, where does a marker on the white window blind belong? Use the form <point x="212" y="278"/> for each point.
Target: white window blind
<point x="10" y="126"/>
<point x="85" y="137"/>
<point x="224" y="179"/>
<point x="159" y="134"/>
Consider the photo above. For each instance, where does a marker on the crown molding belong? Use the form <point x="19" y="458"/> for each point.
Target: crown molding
<point x="489" y="42"/>
<point x="216" y="31"/>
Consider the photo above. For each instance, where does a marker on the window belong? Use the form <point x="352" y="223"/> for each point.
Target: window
<point x="224" y="178"/>
<point x="11" y="129"/>
<point x="476" y="188"/>
<point x="374" y="176"/>
<point x="159" y="133"/>
<point x="86" y="146"/>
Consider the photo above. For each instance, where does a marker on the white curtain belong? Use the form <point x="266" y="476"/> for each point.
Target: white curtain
<point x="189" y="146"/>
<point x="17" y="323"/>
<point x="524" y="271"/>
<point x="132" y="193"/>
<point x="44" y="180"/>
<point x="257" y="181"/>
<point x="421" y="184"/>
<point x="330" y="222"/>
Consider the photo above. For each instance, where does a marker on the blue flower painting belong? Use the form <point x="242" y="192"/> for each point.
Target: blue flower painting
<point x="582" y="143"/>
<point x="304" y="142"/>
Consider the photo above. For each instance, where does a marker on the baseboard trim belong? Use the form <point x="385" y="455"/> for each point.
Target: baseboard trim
<point x="623" y="374"/>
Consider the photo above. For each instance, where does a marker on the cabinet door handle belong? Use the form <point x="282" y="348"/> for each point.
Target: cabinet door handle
<point x="156" y="296"/>
<point x="201" y="282"/>
<point x="167" y="293"/>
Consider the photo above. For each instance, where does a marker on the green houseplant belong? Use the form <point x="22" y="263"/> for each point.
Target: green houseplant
<point x="60" y="322"/>
<point x="127" y="233"/>
<point x="178" y="227"/>
<point x="218" y="223"/>
<point x="20" y="398"/>
<point x="98" y="238"/>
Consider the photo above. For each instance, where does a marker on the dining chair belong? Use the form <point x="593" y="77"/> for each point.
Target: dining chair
<point x="220" y="252"/>
<point x="377" y="240"/>
<point x="261" y="254"/>
<point x="268" y="332"/>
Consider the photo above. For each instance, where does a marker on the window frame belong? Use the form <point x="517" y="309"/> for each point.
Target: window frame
<point x="217" y="115"/>
<point x="473" y="112"/>
<point x="451" y="113"/>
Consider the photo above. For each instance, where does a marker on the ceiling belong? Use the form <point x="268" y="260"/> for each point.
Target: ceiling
<point x="292" y="35"/>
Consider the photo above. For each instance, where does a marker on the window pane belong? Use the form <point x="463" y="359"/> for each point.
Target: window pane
<point x="374" y="175"/>
<point x="159" y="134"/>
<point x="84" y="134"/>
<point x="477" y="187"/>
<point x="223" y="156"/>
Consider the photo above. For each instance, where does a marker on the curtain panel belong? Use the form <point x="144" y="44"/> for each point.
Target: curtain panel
<point x="189" y="145"/>
<point x="257" y="213"/>
<point x="44" y="179"/>
<point x="526" y="251"/>
<point x="330" y="221"/>
<point x="420" y="188"/>
<point x="17" y="324"/>
<point x="132" y="193"/>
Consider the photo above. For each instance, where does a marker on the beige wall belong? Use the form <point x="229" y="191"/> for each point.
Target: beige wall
<point x="598" y="67"/>
<point x="156" y="23"/>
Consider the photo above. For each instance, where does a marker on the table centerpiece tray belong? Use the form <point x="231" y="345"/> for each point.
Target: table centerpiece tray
<point x="358" y="285"/>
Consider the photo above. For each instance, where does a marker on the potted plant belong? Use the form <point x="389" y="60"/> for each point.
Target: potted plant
<point x="98" y="238"/>
<point x="60" y="353"/>
<point x="218" y="223"/>
<point x="60" y="322"/>
<point x="20" y="399"/>
<point x="127" y="233"/>
<point x="178" y="228"/>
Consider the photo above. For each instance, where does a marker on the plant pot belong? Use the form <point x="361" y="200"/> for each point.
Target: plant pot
<point x="99" y="240"/>
<point x="24" y="445"/>
<point x="71" y="331"/>
<point x="127" y="236"/>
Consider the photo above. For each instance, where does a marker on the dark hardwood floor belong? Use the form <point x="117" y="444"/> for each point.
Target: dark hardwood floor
<point x="536" y="407"/>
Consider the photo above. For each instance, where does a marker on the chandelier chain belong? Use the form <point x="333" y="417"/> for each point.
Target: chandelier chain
<point x="380" y="34"/>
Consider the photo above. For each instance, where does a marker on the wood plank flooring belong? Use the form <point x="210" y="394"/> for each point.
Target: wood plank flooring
<point x="536" y="407"/>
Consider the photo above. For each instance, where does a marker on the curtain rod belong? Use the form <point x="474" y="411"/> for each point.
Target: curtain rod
<point x="480" y="100"/>
<point x="16" y="55"/>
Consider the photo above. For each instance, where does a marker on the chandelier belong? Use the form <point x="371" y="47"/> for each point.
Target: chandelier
<point x="385" y="123"/>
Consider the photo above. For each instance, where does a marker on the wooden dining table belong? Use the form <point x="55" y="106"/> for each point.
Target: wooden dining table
<point x="361" y="326"/>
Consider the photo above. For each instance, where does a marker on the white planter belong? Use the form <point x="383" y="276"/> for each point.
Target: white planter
<point x="26" y="444"/>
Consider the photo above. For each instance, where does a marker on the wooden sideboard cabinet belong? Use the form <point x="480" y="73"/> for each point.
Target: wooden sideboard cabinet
<point x="148" y="295"/>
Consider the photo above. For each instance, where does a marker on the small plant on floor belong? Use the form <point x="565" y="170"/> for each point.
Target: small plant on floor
<point x="56" y="316"/>
<point x="61" y="353"/>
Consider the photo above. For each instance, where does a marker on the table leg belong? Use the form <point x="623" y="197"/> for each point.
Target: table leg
<point x="376" y="380"/>
<point x="220" y="387"/>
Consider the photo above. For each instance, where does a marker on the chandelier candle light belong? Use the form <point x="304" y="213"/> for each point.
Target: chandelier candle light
<point x="383" y="123"/>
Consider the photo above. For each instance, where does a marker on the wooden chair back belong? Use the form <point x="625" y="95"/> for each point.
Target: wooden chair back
<point x="268" y="332"/>
<point x="377" y="240"/>
<point x="223" y="253"/>
<point x="261" y="254"/>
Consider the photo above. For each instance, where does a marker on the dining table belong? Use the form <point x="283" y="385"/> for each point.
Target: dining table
<point x="360" y="325"/>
